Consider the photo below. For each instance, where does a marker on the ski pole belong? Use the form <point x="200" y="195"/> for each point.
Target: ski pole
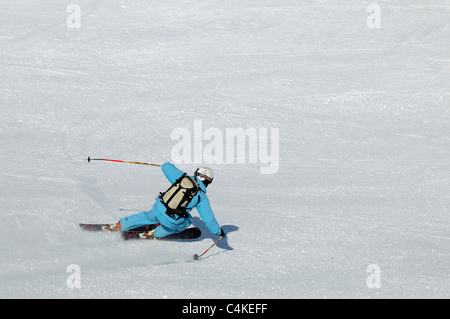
<point x="119" y="161"/>
<point x="196" y="257"/>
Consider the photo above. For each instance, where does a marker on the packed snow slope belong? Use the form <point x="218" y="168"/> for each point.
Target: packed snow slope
<point x="364" y="146"/>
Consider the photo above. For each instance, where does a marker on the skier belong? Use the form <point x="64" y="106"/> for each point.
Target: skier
<point x="171" y="209"/>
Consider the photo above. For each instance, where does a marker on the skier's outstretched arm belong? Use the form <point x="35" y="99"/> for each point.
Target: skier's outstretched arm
<point x="172" y="173"/>
<point x="207" y="215"/>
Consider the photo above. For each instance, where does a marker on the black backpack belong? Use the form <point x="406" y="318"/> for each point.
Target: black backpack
<point x="179" y="195"/>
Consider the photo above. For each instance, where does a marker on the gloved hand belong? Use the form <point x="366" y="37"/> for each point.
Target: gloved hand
<point x="222" y="233"/>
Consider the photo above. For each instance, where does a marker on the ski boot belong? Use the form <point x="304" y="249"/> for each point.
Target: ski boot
<point x="112" y="227"/>
<point x="147" y="235"/>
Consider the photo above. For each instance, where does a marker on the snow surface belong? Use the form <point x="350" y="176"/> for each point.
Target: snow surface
<point x="363" y="116"/>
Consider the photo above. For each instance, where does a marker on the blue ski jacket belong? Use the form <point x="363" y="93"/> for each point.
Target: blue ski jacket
<point x="171" y="225"/>
<point x="200" y="201"/>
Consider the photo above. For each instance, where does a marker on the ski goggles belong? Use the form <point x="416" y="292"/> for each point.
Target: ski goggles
<point x="209" y="179"/>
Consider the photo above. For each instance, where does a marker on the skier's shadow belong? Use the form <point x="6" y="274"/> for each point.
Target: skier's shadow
<point x="197" y="222"/>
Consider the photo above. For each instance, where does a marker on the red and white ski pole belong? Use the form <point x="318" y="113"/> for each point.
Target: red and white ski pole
<point x="119" y="161"/>
<point x="196" y="257"/>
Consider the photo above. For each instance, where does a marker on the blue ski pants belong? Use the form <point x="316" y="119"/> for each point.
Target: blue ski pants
<point x="157" y="215"/>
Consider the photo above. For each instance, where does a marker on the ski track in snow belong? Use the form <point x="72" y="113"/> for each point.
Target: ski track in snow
<point x="364" y="145"/>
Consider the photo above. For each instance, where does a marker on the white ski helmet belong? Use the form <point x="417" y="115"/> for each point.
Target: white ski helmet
<point x="205" y="174"/>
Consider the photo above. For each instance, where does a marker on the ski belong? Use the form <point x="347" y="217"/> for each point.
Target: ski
<point x="96" y="227"/>
<point x="107" y="227"/>
<point x="138" y="233"/>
